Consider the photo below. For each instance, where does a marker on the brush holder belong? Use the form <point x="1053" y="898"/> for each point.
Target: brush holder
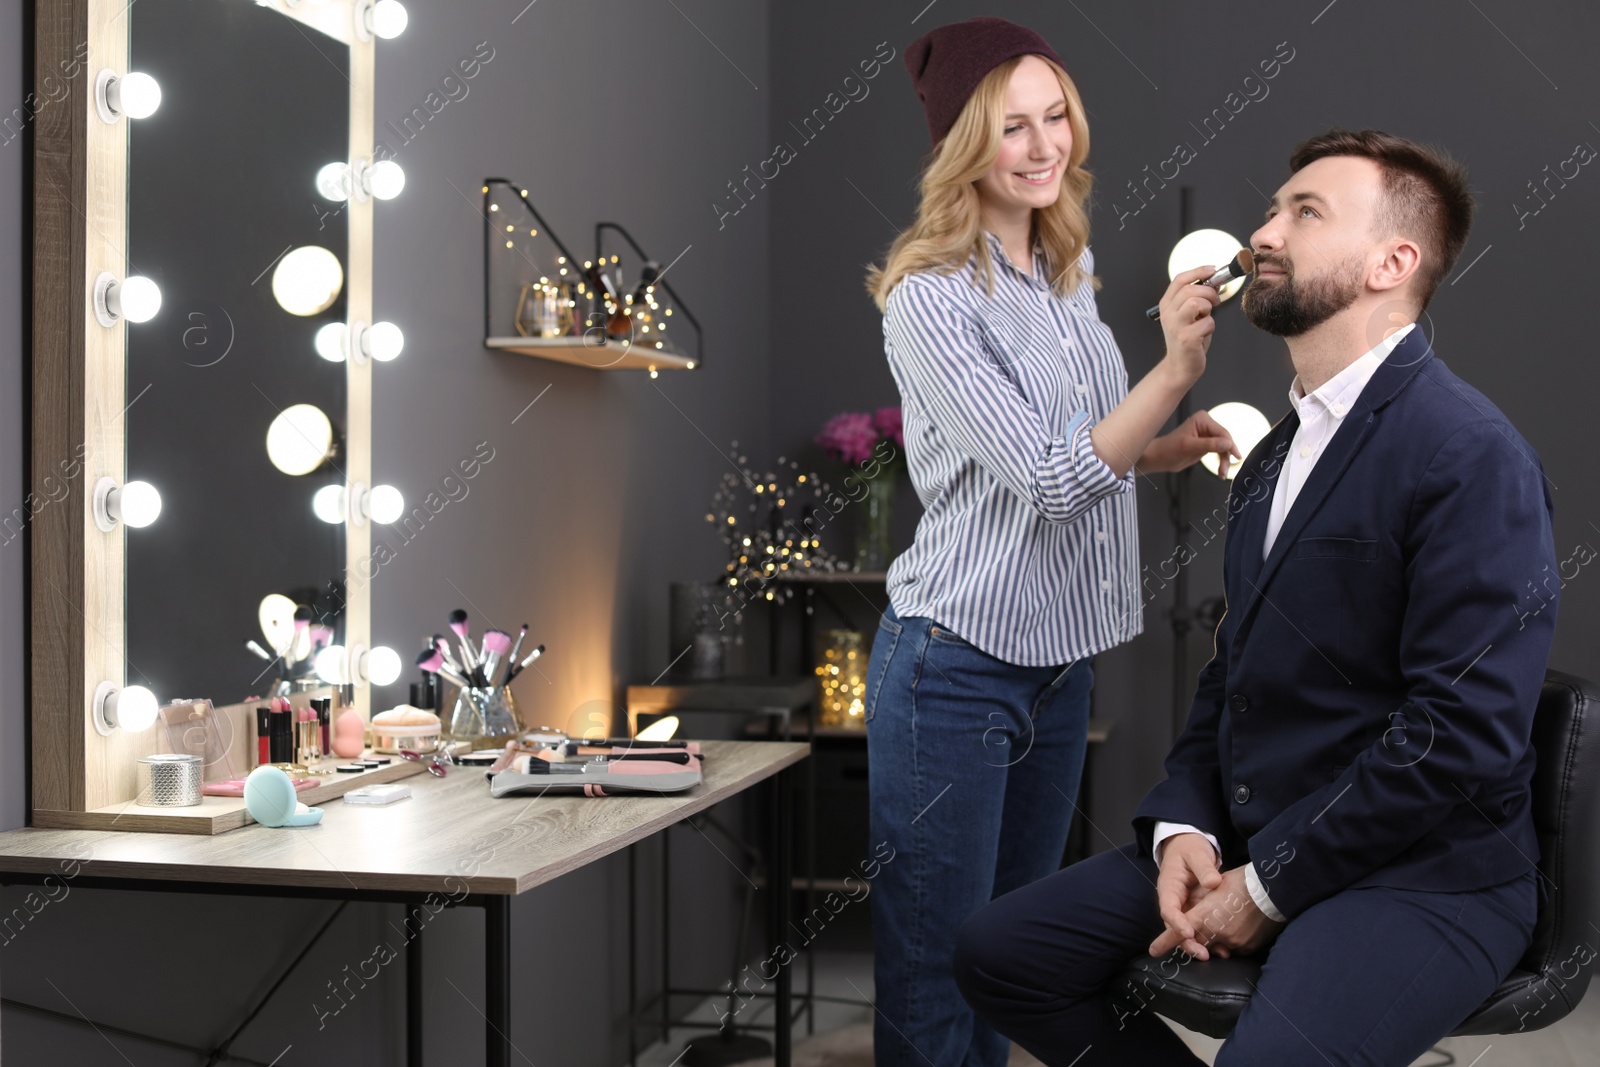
<point x="485" y="716"/>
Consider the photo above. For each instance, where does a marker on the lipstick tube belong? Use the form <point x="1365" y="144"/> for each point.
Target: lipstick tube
<point x="263" y="736"/>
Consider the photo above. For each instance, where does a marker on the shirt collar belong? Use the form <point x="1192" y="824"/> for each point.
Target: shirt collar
<point x="998" y="251"/>
<point x="1338" y="393"/>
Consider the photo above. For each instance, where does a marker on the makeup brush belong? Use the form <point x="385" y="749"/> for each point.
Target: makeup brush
<point x="511" y="657"/>
<point x="302" y="619"/>
<point x="518" y="669"/>
<point x="444" y="650"/>
<point x="1242" y="264"/>
<point x="496" y="643"/>
<point x="463" y="632"/>
<point x="431" y="661"/>
<point x="251" y="644"/>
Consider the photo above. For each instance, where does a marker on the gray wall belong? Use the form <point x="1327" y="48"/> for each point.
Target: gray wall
<point x="595" y="498"/>
<point x="1513" y="325"/>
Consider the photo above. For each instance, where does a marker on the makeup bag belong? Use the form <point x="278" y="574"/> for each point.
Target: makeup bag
<point x="601" y="780"/>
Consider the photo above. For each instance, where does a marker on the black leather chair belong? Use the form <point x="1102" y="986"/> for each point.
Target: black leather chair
<point x="1551" y="977"/>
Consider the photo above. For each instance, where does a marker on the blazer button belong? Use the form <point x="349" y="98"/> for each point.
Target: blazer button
<point x="1239" y="702"/>
<point x="1241" y="794"/>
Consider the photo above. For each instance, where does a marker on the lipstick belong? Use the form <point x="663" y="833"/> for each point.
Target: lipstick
<point x="263" y="735"/>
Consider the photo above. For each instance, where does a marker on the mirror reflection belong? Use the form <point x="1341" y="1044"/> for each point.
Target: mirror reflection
<point x="236" y="392"/>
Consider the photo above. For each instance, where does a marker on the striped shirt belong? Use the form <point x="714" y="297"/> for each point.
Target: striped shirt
<point x="1028" y="544"/>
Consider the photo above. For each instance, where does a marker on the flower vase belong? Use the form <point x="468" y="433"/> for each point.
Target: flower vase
<point x="875" y="527"/>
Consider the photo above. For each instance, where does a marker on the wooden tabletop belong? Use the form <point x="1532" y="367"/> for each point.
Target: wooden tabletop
<point x="450" y="836"/>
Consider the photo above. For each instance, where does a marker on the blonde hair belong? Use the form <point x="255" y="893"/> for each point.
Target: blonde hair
<point x="948" y="229"/>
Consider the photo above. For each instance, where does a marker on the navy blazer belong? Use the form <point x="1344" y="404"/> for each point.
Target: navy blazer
<point x="1365" y="719"/>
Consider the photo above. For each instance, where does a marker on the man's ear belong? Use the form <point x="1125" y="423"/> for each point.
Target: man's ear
<point x="1400" y="263"/>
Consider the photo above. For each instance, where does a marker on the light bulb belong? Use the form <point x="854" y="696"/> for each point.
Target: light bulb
<point x="382" y="341"/>
<point x="385" y="179"/>
<point x="660" y="730"/>
<point x="136" y="95"/>
<point x="137" y="504"/>
<point x="385" y="504"/>
<point x="276" y="615"/>
<point x="383" y="665"/>
<point x="1244" y="424"/>
<point x="330" y="665"/>
<point x="132" y="708"/>
<point x="389" y="18"/>
<point x="1202" y="247"/>
<point x="328" y="504"/>
<point x="299" y="439"/>
<point x="140" y="298"/>
<point x="307" y="280"/>
<point x="329" y="342"/>
<point x="333" y="181"/>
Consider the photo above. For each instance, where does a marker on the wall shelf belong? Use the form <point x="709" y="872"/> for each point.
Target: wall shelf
<point x="581" y="353"/>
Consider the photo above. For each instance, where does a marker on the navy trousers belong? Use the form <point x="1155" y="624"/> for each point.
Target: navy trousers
<point x="1369" y="976"/>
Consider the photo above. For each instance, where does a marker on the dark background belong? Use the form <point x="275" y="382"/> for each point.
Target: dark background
<point x="595" y="500"/>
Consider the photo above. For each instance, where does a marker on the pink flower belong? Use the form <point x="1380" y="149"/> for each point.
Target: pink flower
<point x="849" y="437"/>
<point x="888" y="423"/>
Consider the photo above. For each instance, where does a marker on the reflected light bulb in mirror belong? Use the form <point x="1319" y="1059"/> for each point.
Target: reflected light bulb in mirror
<point x="383" y="665"/>
<point x="300" y="439"/>
<point x="330" y="665"/>
<point x="385" y="179"/>
<point x="1244" y="424"/>
<point x="1206" y="247"/>
<point x="132" y="708"/>
<point x="385" y="504"/>
<point x="333" y="181"/>
<point x="388" y="19"/>
<point x="329" y="342"/>
<point x="660" y="730"/>
<point x="307" y="280"/>
<point x="382" y="341"/>
<point x="328" y="504"/>
<point x="276" y="615"/>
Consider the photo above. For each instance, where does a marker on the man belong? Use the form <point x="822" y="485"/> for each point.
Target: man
<point x="1352" y="786"/>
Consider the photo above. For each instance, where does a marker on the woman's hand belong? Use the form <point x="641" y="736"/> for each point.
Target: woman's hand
<point x="1200" y="434"/>
<point x="1187" y="323"/>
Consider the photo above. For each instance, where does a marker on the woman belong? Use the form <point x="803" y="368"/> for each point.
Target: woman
<point x="1022" y="440"/>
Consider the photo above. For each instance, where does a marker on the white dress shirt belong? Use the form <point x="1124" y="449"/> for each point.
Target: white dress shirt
<point x="1320" y="414"/>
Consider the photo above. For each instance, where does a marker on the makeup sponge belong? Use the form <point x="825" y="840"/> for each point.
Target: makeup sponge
<point x="348" y="734"/>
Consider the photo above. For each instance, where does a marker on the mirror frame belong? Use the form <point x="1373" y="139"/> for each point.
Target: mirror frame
<point x="80" y="211"/>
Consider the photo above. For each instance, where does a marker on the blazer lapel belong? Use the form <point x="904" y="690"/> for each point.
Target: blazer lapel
<point x="1392" y="375"/>
<point x="1258" y="508"/>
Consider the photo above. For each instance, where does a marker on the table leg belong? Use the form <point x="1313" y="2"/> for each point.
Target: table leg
<point x="778" y="900"/>
<point x="414" y="996"/>
<point x="497" y="980"/>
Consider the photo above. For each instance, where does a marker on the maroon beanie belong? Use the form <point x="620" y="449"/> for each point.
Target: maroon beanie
<point x="947" y="63"/>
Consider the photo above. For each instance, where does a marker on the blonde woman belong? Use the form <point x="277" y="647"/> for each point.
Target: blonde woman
<point x="1023" y="442"/>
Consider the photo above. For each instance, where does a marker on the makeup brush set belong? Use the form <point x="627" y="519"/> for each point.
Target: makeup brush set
<point x="596" y="768"/>
<point x="485" y="711"/>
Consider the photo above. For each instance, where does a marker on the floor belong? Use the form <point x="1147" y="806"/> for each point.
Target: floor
<point x="844" y="1031"/>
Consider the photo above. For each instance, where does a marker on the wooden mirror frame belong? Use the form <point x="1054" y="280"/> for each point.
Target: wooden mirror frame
<point x="80" y="215"/>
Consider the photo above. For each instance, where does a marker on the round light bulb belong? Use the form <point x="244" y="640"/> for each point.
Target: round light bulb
<point x="386" y="179"/>
<point x="1216" y="248"/>
<point x="389" y="19"/>
<point x="383" y="665"/>
<point x="329" y="342"/>
<point x="307" y="280"/>
<point x="385" y="504"/>
<point x="138" y="299"/>
<point x="276" y="615"/>
<point x="133" y="708"/>
<point x="383" y="341"/>
<point x="1244" y="424"/>
<point x="299" y="439"/>
<point x="138" y="504"/>
<point x="137" y="95"/>
<point x="330" y="665"/>
<point x="328" y="504"/>
<point x="333" y="181"/>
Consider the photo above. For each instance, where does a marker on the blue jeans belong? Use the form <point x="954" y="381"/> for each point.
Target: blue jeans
<point x="973" y="769"/>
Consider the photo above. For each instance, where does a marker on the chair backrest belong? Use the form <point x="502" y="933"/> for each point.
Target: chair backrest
<point x="1566" y="814"/>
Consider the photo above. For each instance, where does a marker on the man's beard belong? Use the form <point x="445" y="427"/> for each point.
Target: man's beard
<point x="1287" y="308"/>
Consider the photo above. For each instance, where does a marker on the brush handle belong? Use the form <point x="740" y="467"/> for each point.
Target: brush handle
<point x="1233" y="270"/>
